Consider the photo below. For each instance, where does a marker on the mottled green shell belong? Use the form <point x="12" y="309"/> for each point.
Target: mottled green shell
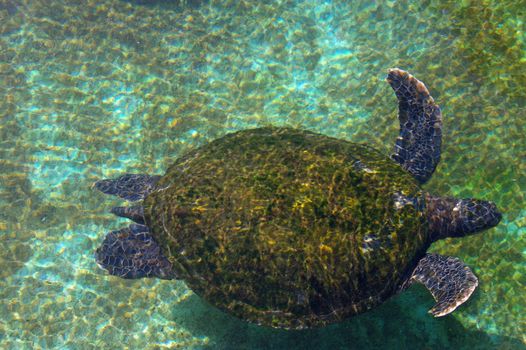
<point x="289" y="228"/>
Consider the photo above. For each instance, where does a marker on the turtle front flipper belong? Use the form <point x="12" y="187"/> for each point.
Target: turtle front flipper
<point x="132" y="187"/>
<point x="447" y="278"/>
<point x="417" y="147"/>
<point x="132" y="252"/>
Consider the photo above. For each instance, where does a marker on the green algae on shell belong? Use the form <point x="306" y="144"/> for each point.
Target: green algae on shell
<point x="321" y="239"/>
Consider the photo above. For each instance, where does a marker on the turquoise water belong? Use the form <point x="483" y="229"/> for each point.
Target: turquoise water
<point x="92" y="89"/>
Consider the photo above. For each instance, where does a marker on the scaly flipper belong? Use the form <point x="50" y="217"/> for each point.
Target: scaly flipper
<point x="447" y="278"/>
<point x="132" y="187"/>
<point x="132" y="252"/>
<point x="418" y="145"/>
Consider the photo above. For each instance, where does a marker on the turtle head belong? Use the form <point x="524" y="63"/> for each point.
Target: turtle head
<point x="452" y="217"/>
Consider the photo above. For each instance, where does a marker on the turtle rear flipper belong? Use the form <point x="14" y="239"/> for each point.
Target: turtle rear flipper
<point x="132" y="187"/>
<point x="131" y="252"/>
<point x="417" y="147"/>
<point x="447" y="278"/>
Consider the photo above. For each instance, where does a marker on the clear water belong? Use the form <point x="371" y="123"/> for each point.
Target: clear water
<point x="90" y="89"/>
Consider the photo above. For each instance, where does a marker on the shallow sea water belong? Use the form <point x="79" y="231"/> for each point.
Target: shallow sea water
<point x="92" y="89"/>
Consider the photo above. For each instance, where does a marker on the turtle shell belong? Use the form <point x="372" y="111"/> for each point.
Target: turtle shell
<point x="289" y="228"/>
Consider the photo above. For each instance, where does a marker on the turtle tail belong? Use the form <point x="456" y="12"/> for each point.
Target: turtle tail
<point x="132" y="252"/>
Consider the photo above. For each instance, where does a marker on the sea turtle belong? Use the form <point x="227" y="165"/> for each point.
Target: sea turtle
<point x="293" y="229"/>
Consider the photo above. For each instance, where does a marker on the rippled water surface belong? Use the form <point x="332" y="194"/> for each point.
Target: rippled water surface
<point x="90" y="89"/>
